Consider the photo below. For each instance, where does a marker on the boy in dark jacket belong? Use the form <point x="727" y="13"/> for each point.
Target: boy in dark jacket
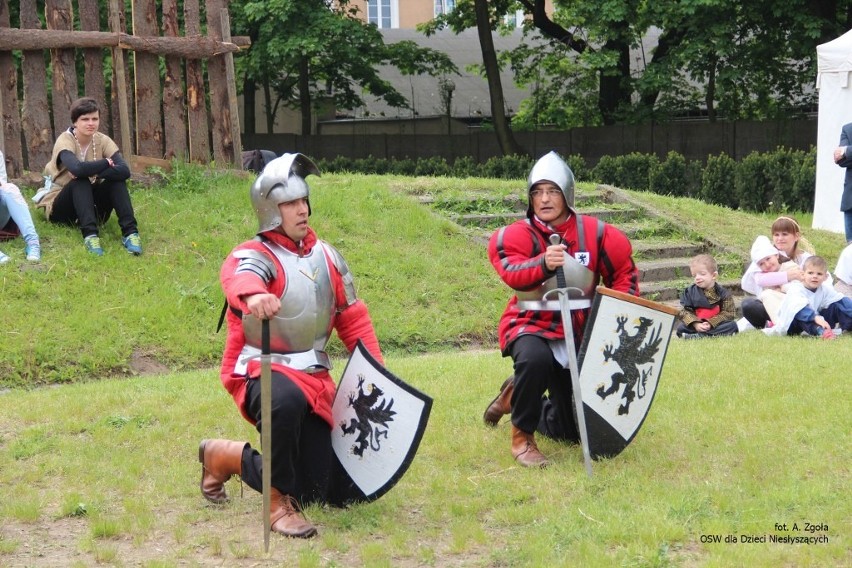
<point x="708" y="308"/>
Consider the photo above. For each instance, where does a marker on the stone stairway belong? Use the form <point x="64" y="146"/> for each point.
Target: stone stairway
<point x="662" y="249"/>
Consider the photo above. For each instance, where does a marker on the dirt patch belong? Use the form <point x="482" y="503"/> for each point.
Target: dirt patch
<point x="144" y="364"/>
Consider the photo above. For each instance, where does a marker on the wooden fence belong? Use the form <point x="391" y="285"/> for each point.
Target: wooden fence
<point x="166" y="111"/>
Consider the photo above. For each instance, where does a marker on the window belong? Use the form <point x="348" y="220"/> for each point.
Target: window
<point x="382" y="13"/>
<point x="444" y="6"/>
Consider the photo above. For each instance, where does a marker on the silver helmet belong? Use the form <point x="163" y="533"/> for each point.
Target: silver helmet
<point x="551" y="167"/>
<point x="282" y="180"/>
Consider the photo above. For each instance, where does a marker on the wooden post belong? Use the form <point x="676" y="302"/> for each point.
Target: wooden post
<point x="119" y="81"/>
<point x="35" y="112"/>
<point x="59" y="15"/>
<point x="232" y="90"/>
<point x="220" y="111"/>
<point x="174" y="100"/>
<point x="146" y="85"/>
<point x="196" y="105"/>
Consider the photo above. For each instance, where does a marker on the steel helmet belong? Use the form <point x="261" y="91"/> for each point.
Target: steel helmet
<point x="282" y="180"/>
<point x="551" y="167"/>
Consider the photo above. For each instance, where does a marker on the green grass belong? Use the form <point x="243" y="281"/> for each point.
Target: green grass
<point x="745" y="432"/>
<point x="735" y="443"/>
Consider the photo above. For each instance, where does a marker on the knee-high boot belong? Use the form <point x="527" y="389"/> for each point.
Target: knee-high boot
<point x="220" y="459"/>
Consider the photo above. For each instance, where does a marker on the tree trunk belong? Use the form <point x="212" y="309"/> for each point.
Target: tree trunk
<point x="508" y="144"/>
<point x="305" y="95"/>
<point x="249" y="102"/>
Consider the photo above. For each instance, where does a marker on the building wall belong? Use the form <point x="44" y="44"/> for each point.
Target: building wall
<point x="413" y="12"/>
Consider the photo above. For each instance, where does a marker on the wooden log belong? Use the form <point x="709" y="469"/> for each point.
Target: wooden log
<point x="59" y="15"/>
<point x="174" y="110"/>
<point x="231" y="81"/>
<point x="120" y="97"/>
<point x="187" y="47"/>
<point x="10" y="139"/>
<point x="147" y="88"/>
<point x="196" y="105"/>
<point x="223" y="144"/>
<point x="94" y="84"/>
<point x="35" y="113"/>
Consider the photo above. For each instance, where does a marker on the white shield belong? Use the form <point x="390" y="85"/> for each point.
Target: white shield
<point x="378" y="423"/>
<point x="621" y="360"/>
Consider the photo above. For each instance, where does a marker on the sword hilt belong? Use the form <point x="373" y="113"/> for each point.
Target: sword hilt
<point x="560" y="275"/>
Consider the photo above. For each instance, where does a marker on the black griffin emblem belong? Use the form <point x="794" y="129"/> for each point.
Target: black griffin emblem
<point x="630" y="354"/>
<point x="367" y="412"/>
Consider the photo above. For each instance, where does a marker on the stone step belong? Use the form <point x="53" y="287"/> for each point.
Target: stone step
<point x="676" y="268"/>
<point x="667" y="249"/>
<point x="614" y="216"/>
<point x="670" y="290"/>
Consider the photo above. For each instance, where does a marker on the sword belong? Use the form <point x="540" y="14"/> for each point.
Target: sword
<point x="266" y="431"/>
<point x="573" y="366"/>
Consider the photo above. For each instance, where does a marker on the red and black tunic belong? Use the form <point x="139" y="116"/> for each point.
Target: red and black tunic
<point x="517" y="253"/>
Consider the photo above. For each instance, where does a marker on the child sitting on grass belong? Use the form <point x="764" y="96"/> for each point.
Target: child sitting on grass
<point x="708" y="308"/>
<point x="811" y="308"/>
<point x="768" y="278"/>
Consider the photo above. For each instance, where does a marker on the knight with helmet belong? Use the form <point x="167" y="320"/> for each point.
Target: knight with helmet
<point x="303" y="287"/>
<point x="555" y="246"/>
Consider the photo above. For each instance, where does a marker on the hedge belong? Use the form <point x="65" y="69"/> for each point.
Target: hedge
<point x="781" y="180"/>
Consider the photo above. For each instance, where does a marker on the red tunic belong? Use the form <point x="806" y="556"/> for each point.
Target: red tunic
<point x="517" y="253"/>
<point x="351" y="321"/>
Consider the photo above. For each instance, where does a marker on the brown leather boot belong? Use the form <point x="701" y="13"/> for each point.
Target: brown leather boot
<point x="220" y="459"/>
<point x="501" y="405"/>
<point x="525" y="451"/>
<point x="286" y="518"/>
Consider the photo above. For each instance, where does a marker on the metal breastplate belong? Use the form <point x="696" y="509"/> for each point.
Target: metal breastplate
<point x="302" y="327"/>
<point x="579" y="280"/>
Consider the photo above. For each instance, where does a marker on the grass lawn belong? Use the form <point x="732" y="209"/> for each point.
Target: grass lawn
<point x="748" y="436"/>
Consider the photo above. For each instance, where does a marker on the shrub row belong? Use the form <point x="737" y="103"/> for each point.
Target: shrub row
<point x="781" y="180"/>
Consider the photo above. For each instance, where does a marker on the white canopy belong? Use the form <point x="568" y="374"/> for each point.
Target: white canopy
<point x="834" y="81"/>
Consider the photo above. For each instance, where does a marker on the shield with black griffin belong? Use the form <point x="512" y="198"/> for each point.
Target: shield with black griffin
<point x="379" y="421"/>
<point x="621" y="360"/>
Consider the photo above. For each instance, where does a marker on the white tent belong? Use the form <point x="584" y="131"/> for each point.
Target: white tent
<point x="834" y="81"/>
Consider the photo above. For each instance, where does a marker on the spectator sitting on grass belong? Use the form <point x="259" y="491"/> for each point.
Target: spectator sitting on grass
<point x="708" y="308"/>
<point x="813" y="309"/>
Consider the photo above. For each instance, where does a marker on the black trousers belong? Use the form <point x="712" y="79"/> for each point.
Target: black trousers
<point x="542" y="399"/>
<point x="754" y="312"/>
<point x="90" y="205"/>
<point x="302" y="455"/>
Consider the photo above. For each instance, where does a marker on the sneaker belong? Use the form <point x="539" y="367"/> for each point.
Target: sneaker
<point x="33" y="252"/>
<point x="133" y="244"/>
<point x="691" y="336"/>
<point x="827" y="334"/>
<point x="93" y="245"/>
<point x="4" y="258"/>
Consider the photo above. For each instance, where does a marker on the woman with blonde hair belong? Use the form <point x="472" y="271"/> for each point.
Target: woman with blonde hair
<point x="788" y="241"/>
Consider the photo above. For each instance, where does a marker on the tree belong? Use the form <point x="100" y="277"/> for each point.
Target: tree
<point x="734" y="58"/>
<point x="303" y="50"/>
<point x="486" y="18"/>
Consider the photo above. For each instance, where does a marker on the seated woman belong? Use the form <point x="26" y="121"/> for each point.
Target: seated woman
<point x="15" y="218"/>
<point x="769" y="282"/>
<point x="86" y="180"/>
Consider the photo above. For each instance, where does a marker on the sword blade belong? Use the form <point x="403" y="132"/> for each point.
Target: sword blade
<point x="574" y="368"/>
<point x="266" y="431"/>
<point x="573" y="365"/>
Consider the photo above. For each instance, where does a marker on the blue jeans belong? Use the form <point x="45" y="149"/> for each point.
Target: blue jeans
<point x="13" y="206"/>
<point x="847" y="216"/>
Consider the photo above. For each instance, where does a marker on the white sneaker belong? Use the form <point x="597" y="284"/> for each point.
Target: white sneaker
<point x="4" y="258"/>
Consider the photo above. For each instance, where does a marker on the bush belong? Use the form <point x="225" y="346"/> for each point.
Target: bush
<point x="635" y="169"/>
<point x="674" y="177"/>
<point x="606" y="171"/>
<point x="578" y="165"/>
<point x="717" y="181"/>
<point x="752" y="184"/>
<point x="465" y="166"/>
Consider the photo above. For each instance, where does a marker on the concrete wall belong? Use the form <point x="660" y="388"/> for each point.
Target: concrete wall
<point x="694" y="140"/>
